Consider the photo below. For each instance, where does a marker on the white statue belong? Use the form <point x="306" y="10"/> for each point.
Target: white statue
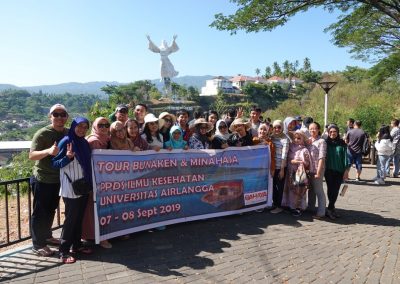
<point x="167" y="69"/>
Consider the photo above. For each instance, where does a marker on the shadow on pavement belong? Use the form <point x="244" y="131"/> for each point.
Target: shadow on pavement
<point x="188" y="244"/>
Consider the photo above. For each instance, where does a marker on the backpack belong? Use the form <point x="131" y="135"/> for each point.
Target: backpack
<point x="366" y="148"/>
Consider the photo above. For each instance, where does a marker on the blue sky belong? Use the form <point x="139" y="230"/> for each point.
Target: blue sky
<point x="49" y="42"/>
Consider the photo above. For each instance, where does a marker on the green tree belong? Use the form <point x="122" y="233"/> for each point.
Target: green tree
<point x="355" y="74"/>
<point x="258" y="71"/>
<point x="276" y="69"/>
<point x="267" y="72"/>
<point x="370" y="28"/>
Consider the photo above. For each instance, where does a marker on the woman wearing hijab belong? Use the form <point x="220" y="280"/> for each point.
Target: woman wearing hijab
<point x="294" y="194"/>
<point x="99" y="138"/>
<point x="119" y="140"/>
<point x="281" y="143"/>
<point x="289" y="125"/>
<point x="74" y="162"/>
<point x="199" y="138"/>
<point x="220" y="139"/>
<point x="336" y="169"/>
<point x="133" y="133"/>
<point x="175" y="140"/>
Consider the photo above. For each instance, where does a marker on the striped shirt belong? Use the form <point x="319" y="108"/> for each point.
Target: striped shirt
<point x="74" y="171"/>
<point x="281" y="150"/>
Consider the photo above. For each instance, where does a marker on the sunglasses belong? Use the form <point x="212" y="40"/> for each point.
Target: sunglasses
<point x="59" y="114"/>
<point x="222" y="126"/>
<point x="103" y="125"/>
<point x="204" y="127"/>
<point x="152" y="123"/>
<point x="167" y="120"/>
<point x="278" y="127"/>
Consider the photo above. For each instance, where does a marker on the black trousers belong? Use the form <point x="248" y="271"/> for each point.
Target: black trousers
<point x="45" y="202"/>
<point x="333" y="181"/>
<point x="72" y="229"/>
<point x="278" y="185"/>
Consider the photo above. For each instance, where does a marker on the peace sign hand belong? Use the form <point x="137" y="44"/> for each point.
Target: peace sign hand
<point x="70" y="153"/>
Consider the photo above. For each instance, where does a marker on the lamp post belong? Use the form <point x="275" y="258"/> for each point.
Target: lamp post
<point x="326" y="86"/>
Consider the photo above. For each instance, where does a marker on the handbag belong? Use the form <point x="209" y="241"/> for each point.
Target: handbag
<point x="80" y="186"/>
<point x="300" y="176"/>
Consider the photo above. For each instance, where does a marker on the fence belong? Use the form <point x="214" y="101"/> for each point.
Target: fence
<point x="16" y="222"/>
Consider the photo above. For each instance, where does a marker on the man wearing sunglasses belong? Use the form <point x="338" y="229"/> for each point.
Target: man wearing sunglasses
<point x="45" y="181"/>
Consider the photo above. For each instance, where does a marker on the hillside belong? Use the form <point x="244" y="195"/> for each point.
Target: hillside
<point x="95" y="87"/>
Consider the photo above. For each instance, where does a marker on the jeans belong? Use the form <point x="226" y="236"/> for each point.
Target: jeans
<point x="317" y="191"/>
<point x="381" y="166"/>
<point x="396" y="164"/>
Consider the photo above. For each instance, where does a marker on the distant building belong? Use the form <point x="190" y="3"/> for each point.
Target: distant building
<point x="218" y="83"/>
<point x="235" y="84"/>
<point x="276" y="80"/>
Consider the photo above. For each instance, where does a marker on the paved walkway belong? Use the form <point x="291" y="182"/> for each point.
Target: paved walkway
<point x="363" y="246"/>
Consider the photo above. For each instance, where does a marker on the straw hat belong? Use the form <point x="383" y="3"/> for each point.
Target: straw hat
<point x="198" y="121"/>
<point x="239" y="121"/>
<point x="161" y="121"/>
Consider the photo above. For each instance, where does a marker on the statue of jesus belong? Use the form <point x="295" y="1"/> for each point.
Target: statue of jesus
<point x="167" y="69"/>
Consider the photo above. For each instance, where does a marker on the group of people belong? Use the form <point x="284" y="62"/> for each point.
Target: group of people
<point x="387" y="146"/>
<point x="300" y="158"/>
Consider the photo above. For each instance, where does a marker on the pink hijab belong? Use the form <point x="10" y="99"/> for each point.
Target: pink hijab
<point x="96" y="139"/>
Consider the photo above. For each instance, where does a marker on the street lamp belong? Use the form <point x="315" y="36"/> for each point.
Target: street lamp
<point x="326" y="86"/>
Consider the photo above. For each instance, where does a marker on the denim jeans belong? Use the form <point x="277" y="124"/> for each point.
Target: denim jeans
<point x="381" y="166"/>
<point x="396" y="164"/>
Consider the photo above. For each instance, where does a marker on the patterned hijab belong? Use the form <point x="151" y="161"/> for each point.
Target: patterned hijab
<point x="103" y="139"/>
<point x="119" y="143"/>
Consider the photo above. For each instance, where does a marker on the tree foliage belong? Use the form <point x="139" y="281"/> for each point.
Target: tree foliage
<point x="371" y="28"/>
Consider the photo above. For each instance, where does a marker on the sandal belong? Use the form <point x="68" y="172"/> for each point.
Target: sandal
<point x="105" y="244"/>
<point x="67" y="259"/>
<point x="44" y="251"/>
<point x="83" y="250"/>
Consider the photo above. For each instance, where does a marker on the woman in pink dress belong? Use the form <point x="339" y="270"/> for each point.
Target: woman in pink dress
<point x="294" y="195"/>
<point x="98" y="139"/>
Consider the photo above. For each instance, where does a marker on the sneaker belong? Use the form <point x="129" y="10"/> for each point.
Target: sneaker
<point x="260" y="210"/>
<point x="296" y="213"/>
<point x="379" y="182"/>
<point x="276" y="210"/>
<point x="358" y="179"/>
<point x="395" y="176"/>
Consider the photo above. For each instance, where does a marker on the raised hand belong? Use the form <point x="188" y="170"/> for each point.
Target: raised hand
<point x="239" y="112"/>
<point x="70" y="153"/>
<point x="53" y="150"/>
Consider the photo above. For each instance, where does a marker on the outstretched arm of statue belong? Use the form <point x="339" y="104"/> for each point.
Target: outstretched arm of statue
<point x="174" y="47"/>
<point x="152" y="46"/>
